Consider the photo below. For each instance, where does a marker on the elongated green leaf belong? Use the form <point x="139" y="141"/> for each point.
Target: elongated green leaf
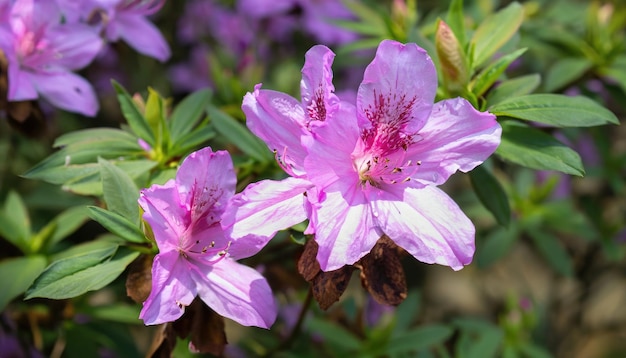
<point x="64" y="174"/>
<point x="617" y="71"/>
<point x="535" y="149"/>
<point x="367" y="14"/>
<point x="133" y="115"/>
<point x="334" y="334"/>
<point x="16" y="213"/>
<point x="239" y="135"/>
<point x="566" y="71"/>
<point x="187" y="114"/>
<point x="122" y="313"/>
<point x="78" y="278"/>
<point x="456" y="20"/>
<point x="496" y="245"/>
<point x="553" y="251"/>
<point x="95" y="135"/>
<point x="19" y="273"/>
<point x="192" y="140"/>
<point x="556" y="110"/>
<point x="491" y="194"/>
<point x="419" y="339"/>
<point x="66" y="223"/>
<point x="117" y="224"/>
<point x="495" y="31"/>
<point x="487" y="77"/>
<point x="120" y="191"/>
<point x="513" y="88"/>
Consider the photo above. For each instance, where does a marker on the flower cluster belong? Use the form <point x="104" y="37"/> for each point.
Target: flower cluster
<point x="44" y="41"/>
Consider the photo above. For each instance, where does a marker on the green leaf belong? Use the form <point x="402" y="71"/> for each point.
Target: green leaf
<point x="122" y="313"/>
<point x="496" y="245"/>
<point x="94" y="135"/>
<point x="187" y="114"/>
<point x="120" y="191"/>
<point x="15" y="222"/>
<point x="456" y="20"/>
<point x="66" y="223"/>
<point x="133" y="115"/>
<point x="155" y="116"/>
<point x="19" y="273"/>
<point x="366" y="15"/>
<point x="419" y="339"/>
<point x="75" y="276"/>
<point x="553" y="251"/>
<point x="617" y="71"/>
<point x="117" y="224"/>
<point x="532" y="148"/>
<point x="491" y="194"/>
<point x="192" y="140"/>
<point x="487" y="77"/>
<point x="239" y="135"/>
<point x="495" y="31"/>
<point x="334" y="334"/>
<point x="556" y="110"/>
<point x="566" y="71"/>
<point x="531" y="350"/>
<point x="486" y="345"/>
<point x="513" y="88"/>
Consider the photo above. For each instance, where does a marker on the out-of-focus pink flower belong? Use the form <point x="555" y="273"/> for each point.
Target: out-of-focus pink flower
<point x="371" y="169"/>
<point x="42" y="53"/>
<point x="195" y="257"/>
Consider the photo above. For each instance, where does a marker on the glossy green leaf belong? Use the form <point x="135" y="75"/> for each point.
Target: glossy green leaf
<point x="75" y="276"/>
<point x="117" y="224"/>
<point x="418" y="339"/>
<point x="488" y="76"/>
<point x="515" y="87"/>
<point x="239" y="135"/>
<point x="553" y="251"/>
<point x="187" y="113"/>
<point x="566" y="71"/>
<point x="491" y="194"/>
<point x="15" y="221"/>
<point x="532" y="148"/>
<point x="133" y="115"/>
<point x="496" y="245"/>
<point x="66" y="223"/>
<point x="19" y="273"/>
<point x="495" y="31"/>
<point x="120" y="191"/>
<point x="556" y="110"/>
<point x="192" y="140"/>
<point x="94" y="135"/>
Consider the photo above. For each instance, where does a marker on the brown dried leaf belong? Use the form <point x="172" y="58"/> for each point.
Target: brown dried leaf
<point x="139" y="279"/>
<point x="308" y="266"/>
<point x="205" y="327"/>
<point x="163" y="342"/>
<point x="329" y="286"/>
<point x="382" y="273"/>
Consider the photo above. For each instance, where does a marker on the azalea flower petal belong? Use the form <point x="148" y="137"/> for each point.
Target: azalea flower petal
<point x="142" y="35"/>
<point x="330" y="149"/>
<point x="21" y="87"/>
<point x="399" y="85"/>
<point x="316" y="86"/>
<point x="261" y="210"/>
<point x="279" y="120"/>
<point x="166" y="216"/>
<point x="172" y="289"/>
<point x="344" y="228"/>
<point x="76" y="45"/>
<point x="68" y="91"/>
<point x="206" y="181"/>
<point x="428" y="224"/>
<point x="237" y="292"/>
<point x="456" y="137"/>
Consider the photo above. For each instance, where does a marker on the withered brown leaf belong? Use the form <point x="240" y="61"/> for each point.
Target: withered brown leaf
<point x="139" y="278"/>
<point x="382" y="273"/>
<point x="329" y="286"/>
<point x="308" y="266"/>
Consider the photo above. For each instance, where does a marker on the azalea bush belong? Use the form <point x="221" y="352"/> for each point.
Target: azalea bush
<point x="312" y="178"/>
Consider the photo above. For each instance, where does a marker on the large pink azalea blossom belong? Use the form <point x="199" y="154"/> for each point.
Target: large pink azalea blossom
<point x="370" y="169"/>
<point x="195" y="256"/>
<point x="42" y="53"/>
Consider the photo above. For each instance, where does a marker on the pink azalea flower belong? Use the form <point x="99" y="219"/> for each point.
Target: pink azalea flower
<point x="42" y="53"/>
<point x="195" y="256"/>
<point x="369" y="169"/>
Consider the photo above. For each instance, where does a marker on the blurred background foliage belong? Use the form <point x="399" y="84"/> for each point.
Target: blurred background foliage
<point x="548" y="278"/>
